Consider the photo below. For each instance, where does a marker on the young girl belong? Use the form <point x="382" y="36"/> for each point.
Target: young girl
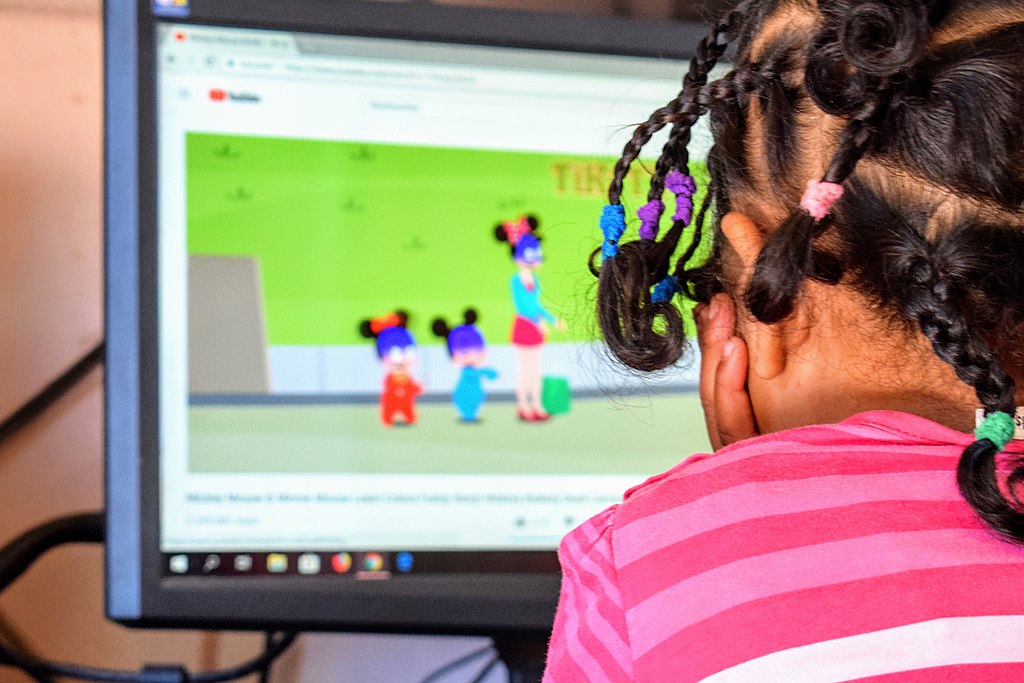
<point x="468" y="351"/>
<point x="862" y="301"/>
<point x="532" y="322"/>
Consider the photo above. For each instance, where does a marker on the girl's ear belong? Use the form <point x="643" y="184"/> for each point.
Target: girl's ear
<point x="746" y="241"/>
<point x="767" y="345"/>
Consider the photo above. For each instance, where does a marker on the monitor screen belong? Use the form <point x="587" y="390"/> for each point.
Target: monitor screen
<point x="366" y="354"/>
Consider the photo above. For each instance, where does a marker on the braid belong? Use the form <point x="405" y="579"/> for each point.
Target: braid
<point x="930" y="274"/>
<point x="696" y="282"/>
<point x="710" y="49"/>
<point x="874" y="44"/>
<point x="628" y="317"/>
<point x="706" y="56"/>
<point x="856" y="136"/>
<point x="789" y="256"/>
<point x="675" y="154"/>
<point x="644" y="334"/>
<point x="978" y="482"/>
<point x="943" y="323"/>
<point x="933" y="299"/>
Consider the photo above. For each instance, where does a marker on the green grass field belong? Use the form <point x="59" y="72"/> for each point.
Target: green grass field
<point x="600" y="436"/>
<point x="345" y="231"/>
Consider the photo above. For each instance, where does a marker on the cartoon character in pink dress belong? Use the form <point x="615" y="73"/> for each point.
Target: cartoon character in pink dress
<point x="532" y="321"/>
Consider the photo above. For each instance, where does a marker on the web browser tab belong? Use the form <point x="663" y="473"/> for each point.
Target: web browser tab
<point x="228" y="40"/>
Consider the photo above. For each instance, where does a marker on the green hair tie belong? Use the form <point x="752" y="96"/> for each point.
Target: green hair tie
<point x="998" y="428"/>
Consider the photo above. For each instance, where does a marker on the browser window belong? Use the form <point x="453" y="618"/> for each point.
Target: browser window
<point x="316" y="192"/>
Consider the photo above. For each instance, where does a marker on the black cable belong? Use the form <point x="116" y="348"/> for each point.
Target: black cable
<point x="253" y="665"/>
<point x="10" y="637"/>
<point x="491" y="663"/>
<point x="35" y="676"/>
<point x="20" y="553"/>
<point x="36" y="405"/>
<point x="268" y="640"/>
<point x="462" y="661"/>
<point x="39" y="678"/>
<point x="35" y="667"/>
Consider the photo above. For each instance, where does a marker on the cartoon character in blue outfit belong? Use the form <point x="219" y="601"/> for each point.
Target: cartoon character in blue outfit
<point x="468" y="350"/>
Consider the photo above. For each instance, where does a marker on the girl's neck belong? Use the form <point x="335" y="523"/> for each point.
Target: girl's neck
<point x="842" y="359"/>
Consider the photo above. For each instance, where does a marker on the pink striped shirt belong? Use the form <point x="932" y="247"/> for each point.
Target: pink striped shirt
<point x="827" y="553"/>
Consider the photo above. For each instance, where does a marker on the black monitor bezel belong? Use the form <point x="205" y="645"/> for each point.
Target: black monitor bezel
<point x="137" y="592"/>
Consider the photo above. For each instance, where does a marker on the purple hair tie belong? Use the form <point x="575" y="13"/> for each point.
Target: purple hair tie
<point x="683" y="187"/>
<point x="684" y="210"/>
<point x="650" y="216"/>
<point x="678" y="183"/>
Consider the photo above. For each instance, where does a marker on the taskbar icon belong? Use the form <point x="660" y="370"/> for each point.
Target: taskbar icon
<point x="358" y="564"/>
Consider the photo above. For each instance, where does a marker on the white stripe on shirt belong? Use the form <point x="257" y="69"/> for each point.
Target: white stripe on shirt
<point x="941" y="642"/>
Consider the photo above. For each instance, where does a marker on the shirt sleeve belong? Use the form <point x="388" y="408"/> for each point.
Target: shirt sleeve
<point x="527" y="303"/>
<point x="589" y="641"/>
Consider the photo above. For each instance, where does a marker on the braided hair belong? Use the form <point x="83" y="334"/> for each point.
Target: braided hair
<point x="923" y="102"/>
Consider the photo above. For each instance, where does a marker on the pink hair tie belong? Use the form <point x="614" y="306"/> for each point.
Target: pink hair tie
<point x="819" y="198"/>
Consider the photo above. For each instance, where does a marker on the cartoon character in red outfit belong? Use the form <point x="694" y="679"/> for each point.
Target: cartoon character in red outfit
<point x="396" y="349"/>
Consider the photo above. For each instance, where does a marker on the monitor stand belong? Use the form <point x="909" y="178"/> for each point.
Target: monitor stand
<point x="523" y="655"/>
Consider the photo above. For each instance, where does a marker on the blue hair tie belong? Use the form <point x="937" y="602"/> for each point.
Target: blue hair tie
<point x="665" y="290"/>
<point x="613" y="224"/>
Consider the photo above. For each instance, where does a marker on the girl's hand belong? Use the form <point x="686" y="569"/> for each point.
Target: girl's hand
<point x="558" y="325"/>
<point x="728" y="412"/>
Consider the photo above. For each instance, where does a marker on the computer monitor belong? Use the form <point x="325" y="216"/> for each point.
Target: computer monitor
<point x="336" y="399"/>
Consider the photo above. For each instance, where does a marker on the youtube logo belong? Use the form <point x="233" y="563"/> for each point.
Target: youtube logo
<point x="221" y="95"/>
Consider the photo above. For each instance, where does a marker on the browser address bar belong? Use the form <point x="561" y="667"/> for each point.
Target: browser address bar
<point x="457" y="77"/>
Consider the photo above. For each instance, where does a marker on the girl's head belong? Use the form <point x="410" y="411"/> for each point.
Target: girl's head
<point x="915" y="111"/>
<point x="522" y="238"/>
<point x="396" y="347"/>
<point x="465" y="342"/>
